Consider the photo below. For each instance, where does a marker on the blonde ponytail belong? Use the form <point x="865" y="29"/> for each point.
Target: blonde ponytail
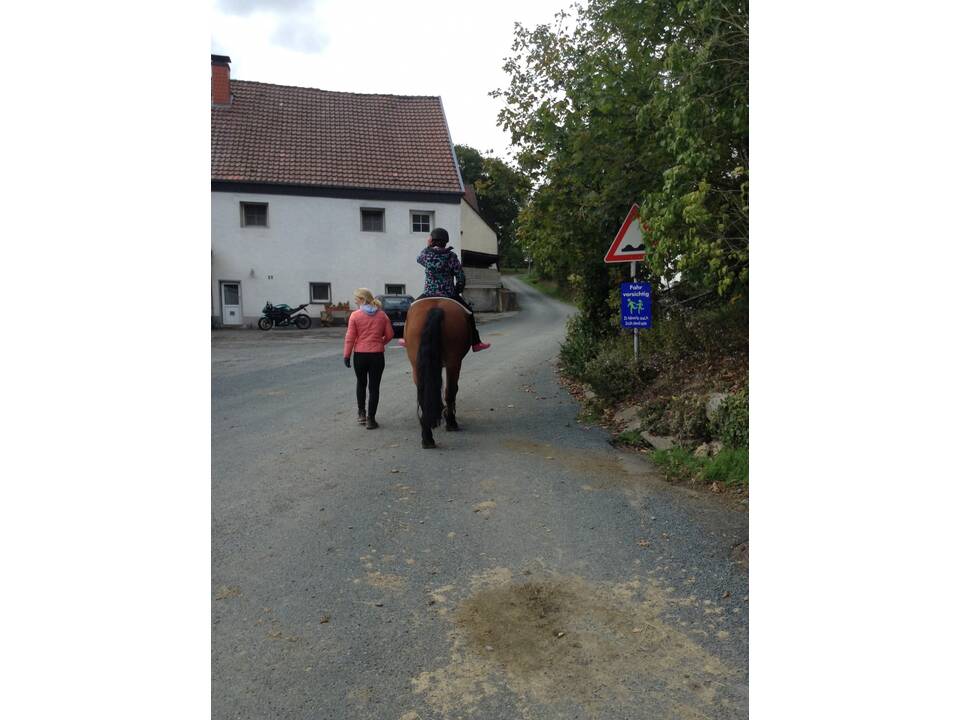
<point x="367" y="297"/>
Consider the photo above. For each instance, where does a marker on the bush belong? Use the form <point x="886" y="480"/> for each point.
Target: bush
<point x="612" y="372"/>
<point x="681" y="331"/>
<point x="685" y="417"/>
<point x="652" y="416"/>
<point x="578" y="348"/>
<point x="732" y="422"/>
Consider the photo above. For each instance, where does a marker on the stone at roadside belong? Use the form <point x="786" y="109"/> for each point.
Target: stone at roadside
<point x="588" y="394"/>
<point x="664" y="442"/>
<point x="634" y="425"/>
<point x="627" y="414"/>
<point x="713" y="404"/>
<point x="628" y="419"/>
<point x="708" y="449"/>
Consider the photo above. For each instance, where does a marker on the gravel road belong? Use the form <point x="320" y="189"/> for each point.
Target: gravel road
<point x="524" y="569"/>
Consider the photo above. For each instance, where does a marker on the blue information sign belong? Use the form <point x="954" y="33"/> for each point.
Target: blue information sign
<point x="635" y="305"/>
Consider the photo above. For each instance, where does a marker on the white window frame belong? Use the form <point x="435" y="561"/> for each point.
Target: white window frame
<point x="387" y="286"/>
<point x="431" y="219"/>
<point x="243" y="214"/>
<point x="383" y="218"/>
<point x="329" y="293"/>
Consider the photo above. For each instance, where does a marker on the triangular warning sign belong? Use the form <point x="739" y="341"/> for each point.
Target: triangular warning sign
<point x="630" y="243"/>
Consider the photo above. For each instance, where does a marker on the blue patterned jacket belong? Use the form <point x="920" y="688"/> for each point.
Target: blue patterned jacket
<point x="445" y="274"/>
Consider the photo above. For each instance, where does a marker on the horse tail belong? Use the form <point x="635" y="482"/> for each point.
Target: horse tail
<point x="430" y="369"/>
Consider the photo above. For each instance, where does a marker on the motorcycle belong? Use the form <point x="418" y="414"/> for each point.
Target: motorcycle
<point x="283" y="316"/>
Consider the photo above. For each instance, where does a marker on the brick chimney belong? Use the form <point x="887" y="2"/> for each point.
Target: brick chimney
<point x="221" y="80"/>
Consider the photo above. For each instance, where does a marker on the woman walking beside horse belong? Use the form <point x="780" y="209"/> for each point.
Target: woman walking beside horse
<point x="368" y="331"/>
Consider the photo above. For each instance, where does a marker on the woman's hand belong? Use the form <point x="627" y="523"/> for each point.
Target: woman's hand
<point x="346" y="362"/>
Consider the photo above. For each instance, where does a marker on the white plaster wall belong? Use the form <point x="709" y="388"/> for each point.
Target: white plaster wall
<point x="317" y="239"/>
<point x="477" y="235"/>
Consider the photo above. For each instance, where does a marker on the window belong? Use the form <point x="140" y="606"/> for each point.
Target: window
<point x="421" y="222"/>
<point x="319" y="292"/>
<point x="253" y="214"/>
<point x="396" y="290"/>
<point x="372" y="219"/>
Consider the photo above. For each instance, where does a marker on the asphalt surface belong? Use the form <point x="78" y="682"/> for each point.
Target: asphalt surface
<point x="523" y="569"/>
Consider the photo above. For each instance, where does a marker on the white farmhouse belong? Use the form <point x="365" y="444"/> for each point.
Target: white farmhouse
<point x="316" y="193"/>
<point x="480" y="257"/>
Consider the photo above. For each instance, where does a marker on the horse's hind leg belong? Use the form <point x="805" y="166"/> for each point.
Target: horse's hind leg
<point x="426" y="432"/>
<point x="450" y="412"/>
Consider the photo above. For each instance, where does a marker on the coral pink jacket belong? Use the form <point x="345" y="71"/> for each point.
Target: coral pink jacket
<point x="367" y="333"/>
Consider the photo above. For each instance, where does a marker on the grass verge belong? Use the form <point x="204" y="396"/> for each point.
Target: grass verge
<point x="729" y="466"/>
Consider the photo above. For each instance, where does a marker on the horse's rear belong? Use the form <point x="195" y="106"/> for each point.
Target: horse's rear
<point x="437" y="335"/>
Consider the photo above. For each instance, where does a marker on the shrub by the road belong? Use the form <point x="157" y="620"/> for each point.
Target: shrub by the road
<point x="685" y="417"/>
<point x="578" y="348"/>
<point x="612" y="372"/>
<point x="732" y="422"/>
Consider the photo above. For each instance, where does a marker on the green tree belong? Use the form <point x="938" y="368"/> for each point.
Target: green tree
<point x="471" y="163"/>
<point x="619" y="101"/>
<point x="501" y="193"/>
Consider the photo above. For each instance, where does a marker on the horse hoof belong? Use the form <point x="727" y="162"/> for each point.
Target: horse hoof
<point x="427" y="445"/>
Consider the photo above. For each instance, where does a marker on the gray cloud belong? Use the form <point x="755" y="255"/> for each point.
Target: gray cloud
<point x="301" y="34"/>
<point x="246" y="7"/>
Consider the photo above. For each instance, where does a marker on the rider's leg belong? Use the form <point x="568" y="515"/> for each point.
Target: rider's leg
<point x="474" y="333"/>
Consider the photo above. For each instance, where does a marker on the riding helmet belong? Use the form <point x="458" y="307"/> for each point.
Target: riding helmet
<point x="439" y="236"/>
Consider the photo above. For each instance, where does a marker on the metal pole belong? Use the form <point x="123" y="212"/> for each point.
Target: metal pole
<point x="636" y="331"/>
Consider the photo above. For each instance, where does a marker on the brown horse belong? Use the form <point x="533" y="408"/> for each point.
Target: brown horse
<point x="437" y="335"/>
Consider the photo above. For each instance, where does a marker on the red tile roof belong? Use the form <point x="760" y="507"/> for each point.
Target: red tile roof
<point x="303" y="136"/>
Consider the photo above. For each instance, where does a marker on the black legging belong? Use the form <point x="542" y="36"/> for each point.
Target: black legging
<point x="368" y="365"/>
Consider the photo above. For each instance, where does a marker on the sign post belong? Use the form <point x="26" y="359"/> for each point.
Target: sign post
<point x="635" y="298"/>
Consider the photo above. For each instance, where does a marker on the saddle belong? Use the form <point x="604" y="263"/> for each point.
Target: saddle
<point x="441" y="297"/>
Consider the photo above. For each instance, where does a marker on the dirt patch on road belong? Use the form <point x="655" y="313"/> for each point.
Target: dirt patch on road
<point x="557" y="640"/>
<point x="604" y="469"/>
<point x="385" y="581"/>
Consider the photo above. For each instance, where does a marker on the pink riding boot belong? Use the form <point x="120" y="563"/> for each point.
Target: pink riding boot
<point x="480" y="346"/>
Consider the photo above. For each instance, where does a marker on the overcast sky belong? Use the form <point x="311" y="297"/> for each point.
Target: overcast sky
<point x="412" y="47"/>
